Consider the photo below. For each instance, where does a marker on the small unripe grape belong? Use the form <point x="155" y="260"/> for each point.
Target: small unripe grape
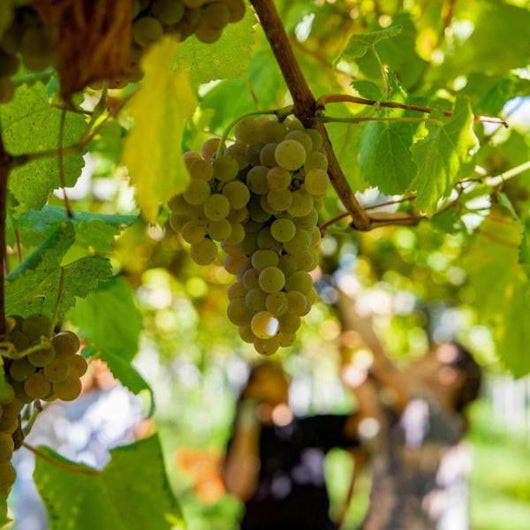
<point x="271" y="279"/>
<point x="216" y="207"/>
<point x="316" y="138"/>
<point x="58" y="370"/>
<point x="267" y="346"/>
<point x="299" y="281"/>
<point x="316" y="182"/>
<point x="36" y="326"/>
<point x="200" y="169"/>
<point x="204" y="253"/>
<point x="237" y="233"/>
<point x="168" y="11"/>
<point x="289" y="323"/>
<point x="302" y="204"/>
<point x="276" y="303"/>
<point x="288" y="264"/>
<point x="7" y="476"/>
<point x="225" y="168"/>
<point x="264" y="325"/>
<point x="66" y="343"/>
<point x="245" y="332"/>
<point x="298" y="303"/>
<point x="36" y="386"/>
<point x="209" y="148"/>
<point x="197" y="192"/>
<point x="245" y="131"/>
<point x="301" y="137"/>
<point x="233" y="264"/>
<point x="237" y="194"/>
<point x="278" y="178"/>
<point x="69" y="389"/>
<point x="316" y="160"/>
<point x="250" y="279"/>
<point x="290" y="155"/>
<point x="266" y="155"/>
<point x="280" y="200"/>
<point x="219" y="230"/>
<point x="236" y="290"/>
<point x="283" y="230"/>
<point x="216" y="15"/>
<point x="264" y="258"/>
<point x="257" y="180"/>
<point x="255" y="300"/>
<point x="147" y="30"/>
<point x="238" y="312"/>
<point x="193" y="232"/>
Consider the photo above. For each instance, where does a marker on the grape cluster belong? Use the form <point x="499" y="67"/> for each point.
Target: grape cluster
<point x="38" y="365"/>
<point x="260" y="199"/>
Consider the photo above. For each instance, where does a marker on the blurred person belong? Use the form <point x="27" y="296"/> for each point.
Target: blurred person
<point x="420" y="465"/>
<point x="275" y="461"/>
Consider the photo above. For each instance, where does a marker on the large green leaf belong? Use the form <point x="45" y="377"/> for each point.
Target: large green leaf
<point x="360" y="43"/>
<point x="131" y="493"/>
<point x="152" y="151"/>
<point x="440" y="155"/>
<point x="35" y="285"/>
<point x="29" y="124"/>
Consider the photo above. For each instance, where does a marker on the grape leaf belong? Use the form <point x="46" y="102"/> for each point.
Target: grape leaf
<point x="359" y="44"/>
<point x="29" y="124"/>
<point x="131" y="493"/>
<point x="367" y="89"/>
<point x="440" y="155"/>
<point x="152" y="150"/>
<point x="92" y="230"/>
<point x="524" y="249"/>
<point x="227" y="58"/>
<point x="34" y="285"/>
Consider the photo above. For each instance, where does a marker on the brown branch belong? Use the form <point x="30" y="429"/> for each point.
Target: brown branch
<point x="5" y="161"/>
<point x="332" y="221"/>
<point x="380" y="219"/>
<point x="305" y="103"/>
<point x="346" y="98"/>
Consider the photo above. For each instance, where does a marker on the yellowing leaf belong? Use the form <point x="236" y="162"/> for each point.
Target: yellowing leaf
<point x="152" y="151"/>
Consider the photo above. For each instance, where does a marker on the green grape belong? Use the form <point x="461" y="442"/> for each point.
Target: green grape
<point x="249" y="243"/>
<point x="316" y="182"/>
<point x="21" y="369"/>
<point x="236" y="9"/>
<point x="219" y="230"/>
<point x="225" y="168"/>
<point x="276" y="303"/>
<point x="266" y="207"/>
<point x="237" y="233"/>
<point x="216" y="207"/>
<point x="42" y="357"/>
<point x="290" y="155"/>
<point x="9" y="424"/>
<point x="36" y="326"/>
<point x="193" y="232"/>
<point x="204" y="253"/>
<point x="147" y="30"/>
<point x="7" y="446"/>
<point x="7" y="476"/>
<point x="78" y="365"/>
<point x="266" y="346"/>
<point x="278" y="178"/>
<point x="316" y="237"/>
<point x="306" y="260"/>
<point x="168" y="11"/>
<point x="272" y="131"/>
<point x="283" y="230"/>
<point x="280" y="200"/>
<point x="298" y="303"/>
<point x="264" y="258"/>
<point x="316" y="160"/>
<point x="293" y="124"/>
<point x="240" y="215"/>
<point x="271" y="279"/>
<point x="20" y="395"/>
<point x="58" y="370"/>
<point x="200" y="169"/>
<point x="307" y="221"/>
<point x="207" y="34"/>
<point x="288" y="264"/>
<point x="303" y="138"/>
<point x="253" y="151"/>
<point x="257" y="180"/>
<point x="197" y="192"/>
<point x="302" y="204"/>
<point x="246" y="130"/>
<point x="36" y="386"/>
<point x="238" y="312"/>
<point x="68" y="390"/>
<point x="12" y="408"/>
<point x="65" y="343"/>
<point x="316" y="138"/>
<point x="209" y="148"/>
<point x="289" y="323"/>
<point x="250" y="279"/>
<point x="233" y="264"/>
<point x="266" y="155"/>
<point x="266" y="241"/>
<point x="19" y="340"/>
<point x="286" y="339"/>
<point x="298" y="243"/>
<point x="245" y="332"/>
<point x="236" y="290"/>
<point x="255" y="300"/>
<point x="7" y="90"/>
<point x="312" y="296"/>
<point x="264" y="325"/>
<point x="256" y="212"/>
<point x="299" y="281"/>
<point x="189" y="157"/>
<point x="238" y="151"/>
<point x="216" y="15"/>
<point x="318" y="203"/>
<point x="237" y="194"/>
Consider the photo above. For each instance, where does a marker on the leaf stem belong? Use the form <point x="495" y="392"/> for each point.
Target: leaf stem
<point x="332" y="221"/>
<point x="78" y="469"/>
<point x="346" y="98"/>
<point x="280" y="113"/>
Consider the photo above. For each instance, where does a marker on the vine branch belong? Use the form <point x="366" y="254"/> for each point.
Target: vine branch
<point x="305" y="104"/>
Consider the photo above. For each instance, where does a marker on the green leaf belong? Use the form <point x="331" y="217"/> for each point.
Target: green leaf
<point x="29" y="124"/>
<point x="524" y="249"/>
<point x="92" y="230"/>
<point x="227" y="58"/>
<point x="152" y="151"/>
<point x="440" y="155"/>
<point x="109" y="319"/>
<point x="385" y="157"/>
<point x="33" y="287"/>
<point x="359" y="44"/>
<point x="367" y="89"/>
<point x="131" y="493"/>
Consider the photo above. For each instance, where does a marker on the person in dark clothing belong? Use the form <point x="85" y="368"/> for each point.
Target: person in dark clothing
<point x="275" y="461"/>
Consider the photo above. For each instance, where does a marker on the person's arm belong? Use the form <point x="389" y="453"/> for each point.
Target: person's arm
<point x="383" y="369"/>
<point x="241" y="465"/>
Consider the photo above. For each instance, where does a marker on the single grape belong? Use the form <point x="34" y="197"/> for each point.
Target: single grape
<point x="264" y="258"/>
<point x="78" y="365"/>
<point x="7" y="476"/>
<point x="245" y="332"/>
<point x="66" y="343"/>
<point x="302" y="204"/>
<point x="298" y="303"/>
<point x="306" y="260"/>
<point x="289" y="323"/>
<point x="288" y="264"/>
<point x="283" y="230"/>
<point x="7" y="447"/>
<point x="266" y="241"/>
<point x="245" y="131"/>
<point x="236" y="290"/>
<point x="216" y="207"/>
<point x="197" y="192"/>
<point x="255" y="300"/>
<point x="302" y="137"/>
<point x="276" y="303"/>
<point x="21" y="369"/>
<point x="257" y="180"/>
<point x="240" y="215"/>
<point x="225" y="168"/>
<point x="208" y="34"/>
<point x="236" y="9"/>
<point x="316" y="160"/>
<point x="257" y="213"/>
<point x="233" y="264"/>
<point x="290" y="155"/>
<point x="219" y="230"/>
<point x="278" y="178"/>
<point x="58" y="370"/>
<point x="193" y="232"/>
<point x="250" y="279"/>
<point x="69" y="389"/>
<point x="299" y="281"/>
<point x="300" y="242"/>
<point x="216" y="15"/>
<point x="271" y="279"/>
<point x="36" y="326"/>
<point x="168" y="11"/>
<point x="147" y="30"/>
<point x="238" y="151"/>
<point x="267" y="346"/>
<point x="280" y="200"/>
<point x="264" y="325"/>
<point x="200" y="169"/>
<point x="266" y="155"/>
<point x="237" y="194"/>
<point x="204" y="253"/>
<point x="271" y="131"/>
<point x="36" y="386"/>
<point x="307" y="221"/>
<point x="237" y="233"/>
<point x="316" y="138"/>
<point x="42" y="357"/>
<point x="286" y="339"/>
<point x="238" y="312"/>
<point x="316" y="182"/>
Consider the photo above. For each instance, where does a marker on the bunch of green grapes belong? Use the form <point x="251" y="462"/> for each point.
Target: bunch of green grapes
<point x="259" y="199"/>
<point x="9" y="411"/>
<point x="26" y="42"/>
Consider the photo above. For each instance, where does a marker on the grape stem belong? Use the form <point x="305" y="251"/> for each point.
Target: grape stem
<point x="346" y="98"/>
<point x="72" y="468"/>
<point x="5" y="163"/>
<point x="305" y="105"/>
<point x="281" y="114"/>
